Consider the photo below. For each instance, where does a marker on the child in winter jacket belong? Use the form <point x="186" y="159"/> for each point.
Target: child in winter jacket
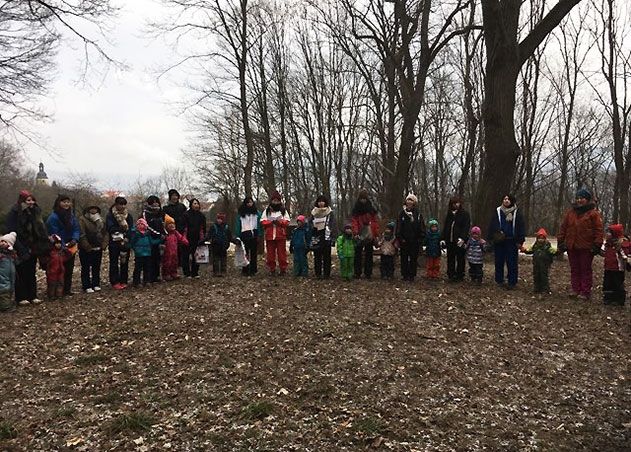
<point x="345" y="246"/>
<point x="56" y="267"/>
<point x="432" y="250"/>
<point x="387" y="243"/>
<point x="298" y="246"/>
<point x="616" y="252"/>
<point x="142" y="243"/>
<point x="220" y="237"/>
<point x="7" y="271"/>
<point x="274" y="221"/>
<point x="475" y="254"/>
<point x="542" y="257"/>
<point x="172" y="243"/>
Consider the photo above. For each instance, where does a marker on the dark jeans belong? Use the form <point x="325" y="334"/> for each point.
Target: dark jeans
<point x="363" y="252"/>
<point x="90" y="268"/>
<point x="68" y="269"/>
<point x="386" y="266"/>
<point x="409" y="259"/>
<point x="154" y="264"/>
<point x="506" y="253"/>
<point x="455" y="261"/>
<point x="119" y="264"/>
<point x="322" y="260"/>
<point x="142" y="265"/>
<point x="189" y="266"/>
<point x="251" y="252"/>
<point x="476" y="272"/>
<point x="25" y="280"/>
<point x="220" y="261"/>
<point x="613" y="287"/>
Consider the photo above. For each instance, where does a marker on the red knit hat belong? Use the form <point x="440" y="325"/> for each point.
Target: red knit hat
<point x="542" y="233"/>
<point x="276" y="196"/>
<point x="617" y="230"/>
<point x="24" y="195"/>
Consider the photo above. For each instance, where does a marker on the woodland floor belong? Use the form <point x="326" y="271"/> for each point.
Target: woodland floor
<point x="285" y="364"/>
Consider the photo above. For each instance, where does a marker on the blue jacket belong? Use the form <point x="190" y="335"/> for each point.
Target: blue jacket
<point x="7" y="273"/>
<point x="142" y="243"/>
<point x="55" y="226"/>
<point x="300" y="239"/>
<point x="513" y="230"/>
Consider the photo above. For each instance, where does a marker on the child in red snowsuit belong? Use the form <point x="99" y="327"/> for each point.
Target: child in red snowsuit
<point x="55" y="269"/>
<point x="616" y="250"/>
<point x="170" y="256"/>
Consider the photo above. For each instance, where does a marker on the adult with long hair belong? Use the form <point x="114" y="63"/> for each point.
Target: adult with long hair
<point x="92" y="241"/>
<point x="455" y="236"/>
<point x="249" y="230"/>
<point x="323" y="235"/>
<point x="195" y="231"/>
<point x="119" y="224"/>
<point x="410" y="232"/>
<point x="25" y="219"/>
<point x="63" y="222"/>
<point x="507" y="231"/>
<point x="365" y="223"/>
<point x="275" y="220"/>
<point x="581" y="234"/>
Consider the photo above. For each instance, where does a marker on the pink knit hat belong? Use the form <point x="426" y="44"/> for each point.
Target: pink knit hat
<point x="300" y="218"/>
<point x="475" y="230"/>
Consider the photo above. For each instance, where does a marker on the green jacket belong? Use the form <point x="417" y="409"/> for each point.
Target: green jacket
<point x="345" y="246"/>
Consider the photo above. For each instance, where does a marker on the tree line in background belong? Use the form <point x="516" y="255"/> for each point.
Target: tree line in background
<point x="473" y="97"/>
<point x="469" y="97"/>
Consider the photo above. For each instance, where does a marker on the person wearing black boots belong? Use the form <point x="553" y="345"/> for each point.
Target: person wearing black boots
<point x="455" y="235"/>
<point x="410" y="233"/>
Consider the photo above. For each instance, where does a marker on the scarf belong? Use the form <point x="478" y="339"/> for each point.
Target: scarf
<point x="409" y="213"/>
<point x="508" y="212"/>
<point x="276" y="208"/>
<point x="362" y="208"/>
<point x="320" y="212"/>
<point x="584" y="208"/>
<point x="121" y="218"/>
<point x="65" y="215"/>
<point x="244" y="210"/>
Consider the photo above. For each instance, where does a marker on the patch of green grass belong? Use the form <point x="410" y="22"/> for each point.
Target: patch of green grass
<point x="7" y="430"/>
<point x="368" y="426"/>
<point x="257" y="411"/>
<point x="91" y="360"/>
<point x="134" y="422"/>
<point x="65" y="412"/>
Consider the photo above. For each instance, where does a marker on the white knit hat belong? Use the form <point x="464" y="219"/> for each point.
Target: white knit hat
<point x="10" y="239"/>
<point x="413" y="198"/>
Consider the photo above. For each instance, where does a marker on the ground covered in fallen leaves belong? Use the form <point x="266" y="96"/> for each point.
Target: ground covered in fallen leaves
<point x="300" y="364"/>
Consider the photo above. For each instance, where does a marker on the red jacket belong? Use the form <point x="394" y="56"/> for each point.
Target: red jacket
<point x="367" y="219"/>
<point x="276" y="231"/>
<point x="616" y="256"/>
<point x="55" y="267"/>
<point x="581" y="230"/>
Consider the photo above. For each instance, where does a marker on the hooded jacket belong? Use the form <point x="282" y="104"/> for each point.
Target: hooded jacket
<point x="582" y="228"/>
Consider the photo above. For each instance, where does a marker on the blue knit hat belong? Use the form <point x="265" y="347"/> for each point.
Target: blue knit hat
<point x="583" y="193"/>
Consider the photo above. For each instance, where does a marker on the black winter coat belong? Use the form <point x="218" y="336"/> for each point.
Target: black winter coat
<point x="32" y="236"/>
<point x="410" y="229"/>
<point x="456" y="226"/>
<point x="177" y="212"/>
<point x="195" y="227"/>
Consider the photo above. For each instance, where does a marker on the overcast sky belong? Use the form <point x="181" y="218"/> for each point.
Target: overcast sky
<point x="129" y="125"/>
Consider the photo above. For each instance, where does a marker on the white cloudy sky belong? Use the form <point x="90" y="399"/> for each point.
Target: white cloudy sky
<point x="129" y="125"/>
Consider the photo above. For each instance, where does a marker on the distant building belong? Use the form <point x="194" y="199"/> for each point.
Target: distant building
<point x="41" y="178"/>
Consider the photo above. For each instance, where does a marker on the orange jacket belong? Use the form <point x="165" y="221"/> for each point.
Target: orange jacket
<point x="581" y="230"/>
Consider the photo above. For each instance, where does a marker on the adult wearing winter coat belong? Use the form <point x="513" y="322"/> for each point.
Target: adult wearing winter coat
<point x="581" y="234"/>
<point x="195" y="231"/>
<point x="410" y="233"/>
<point x="176" y="210"/>
<point x="119" y="224"/>
<point x="274" y="221"/>
<point x="323" y="231"/>
<point x="25" y="219"/>
<point x="64" y="223"/>
<point x="365" y="222"/>
<point x="248" y="229"/>
<point x="455" y="235"/>
<point x="154" y="216"/>
<point x="507" y="232"/>
<point x="92" y="241"/>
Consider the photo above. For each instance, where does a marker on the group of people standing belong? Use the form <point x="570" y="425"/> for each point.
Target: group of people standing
<point x="166" y="238"/>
